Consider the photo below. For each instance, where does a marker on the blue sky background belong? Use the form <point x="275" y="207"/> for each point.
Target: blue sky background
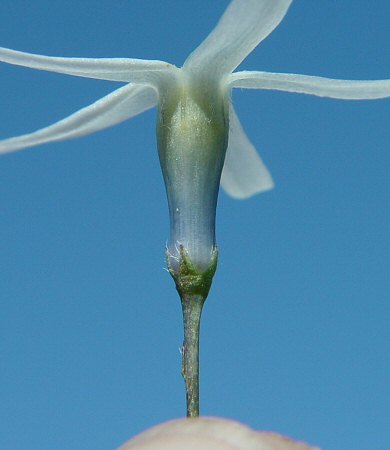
<point x="295" y="333"/>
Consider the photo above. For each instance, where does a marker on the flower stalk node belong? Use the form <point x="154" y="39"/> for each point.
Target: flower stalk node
<point x="188" y="278"/>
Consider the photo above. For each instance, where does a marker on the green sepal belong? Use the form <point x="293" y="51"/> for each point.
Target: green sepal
<point x="189" y="279"/>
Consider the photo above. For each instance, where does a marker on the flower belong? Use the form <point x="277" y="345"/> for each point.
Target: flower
<point x="201" y="142"/>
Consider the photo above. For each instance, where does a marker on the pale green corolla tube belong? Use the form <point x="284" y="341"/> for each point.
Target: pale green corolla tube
<point x="201" y="142"/>
<point x="192" y="137"/>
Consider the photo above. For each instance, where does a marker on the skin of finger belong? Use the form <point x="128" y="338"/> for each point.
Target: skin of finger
<point x="180" y="443"/>
<point x="209" y="434"/>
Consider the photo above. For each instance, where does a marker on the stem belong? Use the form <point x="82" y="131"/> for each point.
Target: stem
<point x="193" y="287"/>
<point x="192" y="310"/>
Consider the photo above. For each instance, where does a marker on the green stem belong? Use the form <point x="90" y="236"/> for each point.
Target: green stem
<point x="193" y="287"/>
<point x="192" y="310"/>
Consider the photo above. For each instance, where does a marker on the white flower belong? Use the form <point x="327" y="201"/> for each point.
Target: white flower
<point x="197" y="125"/>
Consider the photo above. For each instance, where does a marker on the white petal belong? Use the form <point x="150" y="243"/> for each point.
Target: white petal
<point x="244" y="173"/>
<point x="122" y="104"/>
<point x="242" y="27"/>
<point x="305" y="84"/>
<point x="112" y="69"/>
